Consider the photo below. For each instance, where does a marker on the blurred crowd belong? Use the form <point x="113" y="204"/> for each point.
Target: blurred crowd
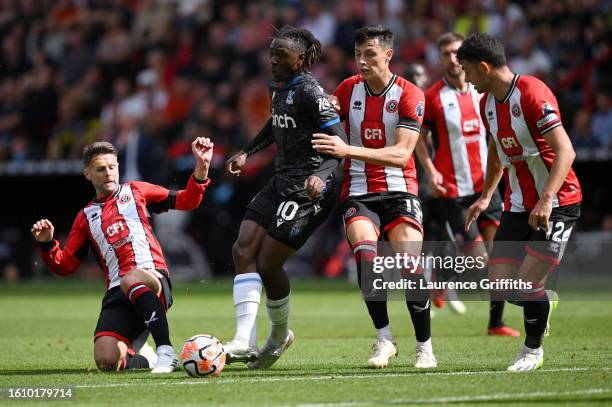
<point x="150" y="75"/>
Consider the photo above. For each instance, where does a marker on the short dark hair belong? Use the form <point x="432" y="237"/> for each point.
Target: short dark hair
<point x="482" y="47"/>
<point x="303" y="41"/>
<point x="447" y="38"/>
<point x="98" y="148"/>
<point x="372" y="31"/>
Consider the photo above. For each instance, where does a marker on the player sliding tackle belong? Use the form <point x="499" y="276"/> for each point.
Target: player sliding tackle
<point x="383" y="113"/>
<point x="300" y="196"/>
<point x="116" y="226"/>
<point x="532" y="150"/>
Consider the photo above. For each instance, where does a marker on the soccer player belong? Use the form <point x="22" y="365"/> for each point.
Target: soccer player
<point x="383" y="113"/>
<point x="532" y="151"/>
<point x="456" y="175"/>
<point x="292" y="205"/>
<point x="115" y="226"/>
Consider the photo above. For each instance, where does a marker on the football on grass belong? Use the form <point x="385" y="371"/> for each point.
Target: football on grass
<point x="203" y="355"/>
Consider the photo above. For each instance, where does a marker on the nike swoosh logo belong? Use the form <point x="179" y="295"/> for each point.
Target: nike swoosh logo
<point x="419" y="309"/>
<point x="152" y="319"/>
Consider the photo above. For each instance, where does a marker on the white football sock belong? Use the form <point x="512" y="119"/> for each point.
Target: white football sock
<point x="424" y="345"/>
<point x="385" y="333"/>
<point x="247" y="295"/>
<point x="278" y="312"/>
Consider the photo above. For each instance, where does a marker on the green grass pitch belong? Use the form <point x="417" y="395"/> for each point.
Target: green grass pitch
<point x="46" y="340"/>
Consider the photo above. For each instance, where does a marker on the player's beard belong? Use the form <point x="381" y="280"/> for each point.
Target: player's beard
<point x="454" y="73"/>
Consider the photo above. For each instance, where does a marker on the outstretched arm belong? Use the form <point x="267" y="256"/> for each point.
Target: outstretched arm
<point x="262" y="140"/>
<point x="202" y="149"/>
<point x="61" y="261"/>
<point x="160" y="199"/>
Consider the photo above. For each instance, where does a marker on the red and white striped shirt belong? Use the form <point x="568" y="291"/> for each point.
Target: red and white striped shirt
<point x="371" y="120"/>
<point x="119" y="231"/>
<point x="517" y="125"/>
<point x="459" y="137"/>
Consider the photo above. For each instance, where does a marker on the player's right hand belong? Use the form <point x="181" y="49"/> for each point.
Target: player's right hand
<point x="436" y="184"/>
<point x="43" y="230"/>
<point x="475" y="210"/>
<point x="235" y="163"/>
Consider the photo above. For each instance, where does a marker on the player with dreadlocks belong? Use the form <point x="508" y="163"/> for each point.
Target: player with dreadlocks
<point x="299" y="197"/>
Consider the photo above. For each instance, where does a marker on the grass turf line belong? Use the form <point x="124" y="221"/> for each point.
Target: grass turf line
<point x="46" y="340"/>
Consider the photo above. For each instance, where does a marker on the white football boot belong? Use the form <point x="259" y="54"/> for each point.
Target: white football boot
<point x="527" y="360"/>
<point x="424" y="357"/>
<point x="166" y="360"/>
<point x="382" y="351"/>
<point x="271" y="351"/>
<point x="239" y="351"/>
<point x="147" y="351"/>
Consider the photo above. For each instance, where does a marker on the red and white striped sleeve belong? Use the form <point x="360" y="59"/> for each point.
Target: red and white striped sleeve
<point x="541" y="107"/>
<point x="411" y="107"/>
<point x="160" y="199"/>
<point x="67" y="260"/>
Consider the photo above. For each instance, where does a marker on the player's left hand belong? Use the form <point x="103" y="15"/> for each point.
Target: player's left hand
<point x="313" y="186"/>
<point x="331" y="145"/>
<point x="202" y="149"/>
<point x="538" y="218"/>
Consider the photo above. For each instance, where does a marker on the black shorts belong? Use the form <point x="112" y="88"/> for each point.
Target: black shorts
<point x="284" y="209"/>
<point x="384" y="210"/>
<point x="515" y="237"/>
<point x="118" y="317"/>
<point x="452" y="214"/>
